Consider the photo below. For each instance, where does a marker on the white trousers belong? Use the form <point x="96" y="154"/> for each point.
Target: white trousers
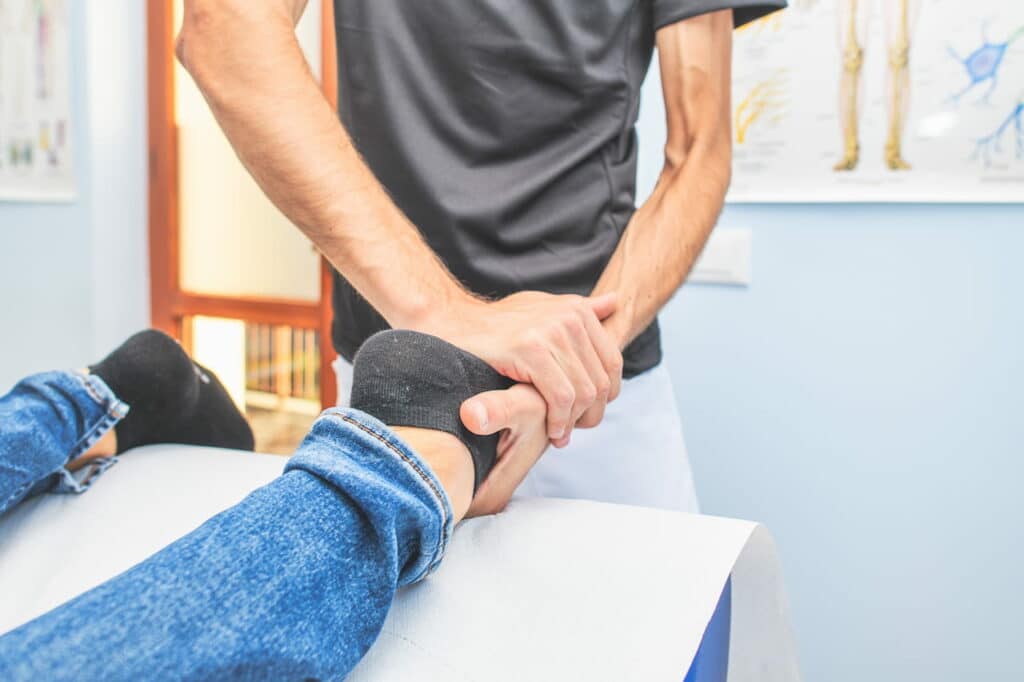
<point x="636" y="456"/>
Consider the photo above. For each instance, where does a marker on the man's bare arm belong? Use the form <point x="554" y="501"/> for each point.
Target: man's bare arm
<point x="246" y="61"/>
<point x="668" y="232"/>
<point x="245" y="58"/>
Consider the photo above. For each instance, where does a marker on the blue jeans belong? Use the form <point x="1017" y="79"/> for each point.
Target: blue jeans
<point x="46" y="421"/>
<point x="294" y="582"/>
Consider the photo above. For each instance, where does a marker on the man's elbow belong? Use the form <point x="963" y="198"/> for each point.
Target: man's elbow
<point x="179" y="49"/>
<point x="710" y="148"/>
<point x="188" y="47"/>
<point x="205" y="24"/>
<point x="722" y="157"/>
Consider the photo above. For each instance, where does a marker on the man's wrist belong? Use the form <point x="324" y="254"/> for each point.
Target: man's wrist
<point x="441" y="317"/>
<point x="618" y="325"/>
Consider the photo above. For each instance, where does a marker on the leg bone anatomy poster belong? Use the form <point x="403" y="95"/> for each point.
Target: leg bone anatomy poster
<point x="881" y="100"/>
<point x="35" y="129"/>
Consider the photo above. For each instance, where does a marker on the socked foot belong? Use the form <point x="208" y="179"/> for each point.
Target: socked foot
<point x="406" y="378"/>
<point x="171" y="399"/>
<point x="479" y="435"/>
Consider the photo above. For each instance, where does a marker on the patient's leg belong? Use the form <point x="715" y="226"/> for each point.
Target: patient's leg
<point x="47" y="420"/>
<point x="146" y="391"/>
<point x="293" y="582"/>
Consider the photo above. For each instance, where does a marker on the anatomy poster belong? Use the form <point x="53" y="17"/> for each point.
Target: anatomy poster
<point x="881" y="100"/>
<point x="35" y="130"/>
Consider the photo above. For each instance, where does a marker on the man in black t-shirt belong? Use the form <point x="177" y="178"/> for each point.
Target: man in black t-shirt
<point x="482" y="189"/>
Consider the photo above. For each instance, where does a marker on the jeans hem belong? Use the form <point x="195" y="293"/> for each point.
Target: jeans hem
<point x="114" y="411"/>
<point x="389" y="439"/>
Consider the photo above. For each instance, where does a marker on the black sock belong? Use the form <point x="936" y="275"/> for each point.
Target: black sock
<point x="405" y="378"/>
<point x="171" y="398"/>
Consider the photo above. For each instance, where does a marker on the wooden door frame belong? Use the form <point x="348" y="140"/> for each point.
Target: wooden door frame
<point x="169" y="305"/>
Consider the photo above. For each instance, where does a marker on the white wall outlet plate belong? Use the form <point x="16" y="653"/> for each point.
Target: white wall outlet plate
<point x="725" y="259"/>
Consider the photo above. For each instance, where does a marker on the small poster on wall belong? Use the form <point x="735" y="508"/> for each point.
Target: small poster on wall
<point x="35" y="97"/>
<point x="881" y="100"/>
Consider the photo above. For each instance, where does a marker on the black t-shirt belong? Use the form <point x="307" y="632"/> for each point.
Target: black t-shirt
<point x="504" y="129"/>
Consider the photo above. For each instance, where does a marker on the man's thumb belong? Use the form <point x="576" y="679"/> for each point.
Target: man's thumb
<point x="490" y="412"/>
<point x="603" y="305"/>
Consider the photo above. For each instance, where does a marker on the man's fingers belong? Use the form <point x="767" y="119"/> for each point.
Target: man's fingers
<point x="609" y="354"/>
<point x="589" y="414"/>
<point x="557" y="390"/>
<point x="592" y="417"/>
<point x="586" y="347"/>
<point x="568" y="354"/>
<point x="603" y="305"/>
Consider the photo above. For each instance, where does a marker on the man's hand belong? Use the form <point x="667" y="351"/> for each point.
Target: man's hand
<point x="519" y="413"/>
<point x="554" y="342"/>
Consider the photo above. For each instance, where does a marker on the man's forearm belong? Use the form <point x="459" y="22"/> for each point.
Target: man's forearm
<point x="664" y="239"/>
<point x="668" y="232"/>
<point x="249" y="66"/>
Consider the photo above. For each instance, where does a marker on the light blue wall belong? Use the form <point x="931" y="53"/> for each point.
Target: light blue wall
<point x="73" y="276"/>
<point x="45" y="258"/>
<point x="864" y="398"/>
<point x="119" y="171"/>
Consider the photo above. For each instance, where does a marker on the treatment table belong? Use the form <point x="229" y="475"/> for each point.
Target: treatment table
<point x="550" y="589"/>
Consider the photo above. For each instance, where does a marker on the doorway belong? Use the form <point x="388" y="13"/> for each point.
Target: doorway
<point x="231" y="278"/>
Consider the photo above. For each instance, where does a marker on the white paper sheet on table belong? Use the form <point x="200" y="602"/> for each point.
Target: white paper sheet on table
<point x="549" y="590"/>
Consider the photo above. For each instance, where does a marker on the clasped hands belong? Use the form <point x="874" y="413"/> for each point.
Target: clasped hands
<point x="568" y="366"/>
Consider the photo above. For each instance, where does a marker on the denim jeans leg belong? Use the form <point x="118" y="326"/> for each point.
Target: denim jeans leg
<point x="47" y="420"/>
<point x="294" y="582"/>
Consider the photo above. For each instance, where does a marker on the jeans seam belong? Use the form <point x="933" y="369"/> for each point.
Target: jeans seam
<point x="114" y="410"/>
<point x="113" y="405"/>
<point x="423" y="476"/>
<point x="90" y="388"/>
<point x="101" y="427"/>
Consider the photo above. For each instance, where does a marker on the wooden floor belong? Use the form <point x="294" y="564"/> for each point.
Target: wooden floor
<point x="278" y="432"/>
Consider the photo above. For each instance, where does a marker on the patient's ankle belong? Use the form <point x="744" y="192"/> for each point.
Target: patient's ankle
<point x="450" y="461"/>
<point x="104" y="447"/>
<point x="405" y="378"/>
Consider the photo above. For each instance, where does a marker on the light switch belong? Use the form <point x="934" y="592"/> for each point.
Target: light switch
<point x="725" y="259"/>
